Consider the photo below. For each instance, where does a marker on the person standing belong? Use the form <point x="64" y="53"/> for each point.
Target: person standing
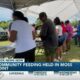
<point x="21" y="34"/>
<point x="70" y="33"/>
<point x="61" y="38"/>
<point x="65" y="35"/>
<point x="48" y="36"/>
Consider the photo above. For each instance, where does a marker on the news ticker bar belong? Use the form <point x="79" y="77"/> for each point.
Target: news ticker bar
<point x="39" y="66"/>
<point x="40" y="75"/>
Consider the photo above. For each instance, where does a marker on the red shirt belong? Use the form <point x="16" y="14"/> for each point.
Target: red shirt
<point x="63" y="28"/>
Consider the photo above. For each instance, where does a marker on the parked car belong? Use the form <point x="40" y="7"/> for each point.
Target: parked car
<point x="3" y="34"/>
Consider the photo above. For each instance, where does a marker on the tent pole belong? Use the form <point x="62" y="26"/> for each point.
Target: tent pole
<point x="13" y="5"/>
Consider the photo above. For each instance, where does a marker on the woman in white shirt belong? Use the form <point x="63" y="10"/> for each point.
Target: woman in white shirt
<point x="21" y="34"/>
<point x="60" y="38"/>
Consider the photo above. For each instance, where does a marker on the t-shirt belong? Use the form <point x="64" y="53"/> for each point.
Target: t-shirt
<point x="48" y="35"/>
<point x="24" y="41"/>
<point x="63" y="28"/>
<point x="69" y="31"/>
<point x="59" y="30"/>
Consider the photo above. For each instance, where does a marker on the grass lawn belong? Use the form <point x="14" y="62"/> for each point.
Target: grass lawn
<point x="72" y="56"/>
<point x="4" y="43"/>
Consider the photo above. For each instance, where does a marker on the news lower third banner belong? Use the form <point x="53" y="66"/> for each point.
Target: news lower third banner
<point x="38" y="66"/>
<point x="20" y="65"/>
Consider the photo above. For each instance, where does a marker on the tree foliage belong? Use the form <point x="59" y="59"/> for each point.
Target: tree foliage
<point x="74" y="23"/>
<point x="4" y="24"/>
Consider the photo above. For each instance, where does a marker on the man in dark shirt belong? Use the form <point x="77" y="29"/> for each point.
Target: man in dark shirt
<point x="48" y="36"/>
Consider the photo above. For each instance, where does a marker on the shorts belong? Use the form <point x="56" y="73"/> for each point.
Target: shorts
<point x="65" y="35"/>
<point x="61" y="40"/>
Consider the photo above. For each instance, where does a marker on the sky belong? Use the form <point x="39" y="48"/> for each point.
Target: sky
<point x="5" y="14"/>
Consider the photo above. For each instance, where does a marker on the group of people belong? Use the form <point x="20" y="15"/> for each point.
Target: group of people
<point x="65" y="33"/>
<point x="55" y="35"/>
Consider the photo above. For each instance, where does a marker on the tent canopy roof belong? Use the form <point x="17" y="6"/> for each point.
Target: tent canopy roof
<point x="65" y="9"/>
<point x="17" y="4"/>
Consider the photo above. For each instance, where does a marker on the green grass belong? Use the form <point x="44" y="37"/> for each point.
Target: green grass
<point x="73" y="55"/>
<point x="4" y="43"/>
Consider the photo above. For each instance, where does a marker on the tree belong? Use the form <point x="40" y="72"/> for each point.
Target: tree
<point x="4" y="24"/>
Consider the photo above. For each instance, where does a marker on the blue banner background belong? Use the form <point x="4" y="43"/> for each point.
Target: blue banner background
<point x="56" y="66"/>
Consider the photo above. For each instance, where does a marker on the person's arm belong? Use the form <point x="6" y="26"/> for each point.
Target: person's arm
<point x="13" y="32"/>
<point x="13" y="36"/>
<point x="34" y="35"/>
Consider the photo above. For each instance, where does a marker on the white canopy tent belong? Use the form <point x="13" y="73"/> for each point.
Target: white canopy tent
<point x="77" y="4"/>
<point x="17" y="4"/>
<point x="65" y="9"/>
